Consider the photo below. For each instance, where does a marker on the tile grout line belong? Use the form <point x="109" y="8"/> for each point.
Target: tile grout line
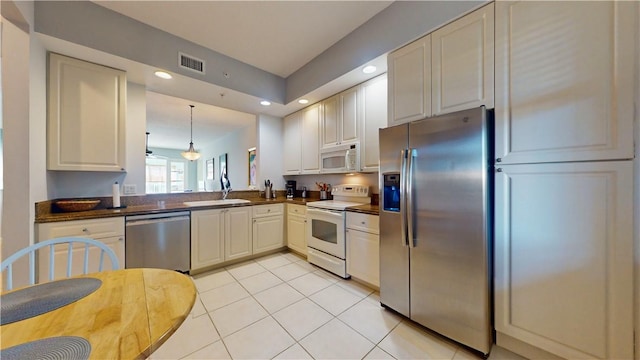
<point x="304" y="296"/>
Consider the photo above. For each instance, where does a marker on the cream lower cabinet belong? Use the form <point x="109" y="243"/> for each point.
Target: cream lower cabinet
<point x="109" y="231"/>
<point x="237" y="233"/>
<point x="363" y="247"/>
<point x="297" y="228"/>
<point x="268" y="227"/>
<point x="220" y="235"/>
<point x="564" y="259"/>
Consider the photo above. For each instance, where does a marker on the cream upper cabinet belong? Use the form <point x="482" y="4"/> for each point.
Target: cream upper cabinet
<point x="310" y="139"/>
<point x="330" y="120"/>
<point x="292" y="143"/>
<point x="302" y="141"/>
<point x="340" y="123"/>
<point x="374" y="117"/>
<point x="86" y="116"/>
<point x="564" y="80"/>
<point x="349" y="124"/>
<point x="409" y="72"/>
<point x="462" y="63"/>
<point x="564" y="258"/>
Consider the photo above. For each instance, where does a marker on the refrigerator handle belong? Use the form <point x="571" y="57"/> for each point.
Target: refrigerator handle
<point x="409" y="199"/>
<point x="403" y="198"/>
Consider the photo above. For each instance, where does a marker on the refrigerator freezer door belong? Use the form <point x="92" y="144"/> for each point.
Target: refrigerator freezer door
<point x="449" y="262"/>
<point x="394" y="253"/>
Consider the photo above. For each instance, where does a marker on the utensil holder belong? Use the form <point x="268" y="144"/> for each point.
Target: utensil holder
<point x="267" y="193"/>
<point x="323" y="195"/>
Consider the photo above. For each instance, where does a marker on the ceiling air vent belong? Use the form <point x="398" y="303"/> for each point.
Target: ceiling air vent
<point x="189" y="62"/>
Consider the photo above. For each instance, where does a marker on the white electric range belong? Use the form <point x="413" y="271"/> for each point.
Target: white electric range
<point x="326" y="244"/>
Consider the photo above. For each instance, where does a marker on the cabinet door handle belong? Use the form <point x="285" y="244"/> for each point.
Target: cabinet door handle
<point x="85" y="230"/>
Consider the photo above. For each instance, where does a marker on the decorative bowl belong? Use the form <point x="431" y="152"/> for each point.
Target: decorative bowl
<point x="77" y="205"/>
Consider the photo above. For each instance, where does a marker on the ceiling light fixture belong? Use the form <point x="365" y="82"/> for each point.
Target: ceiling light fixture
<point x="368" y="69"/>
<point x="303" y="101"/>
<point x="191" y="154"/>
<point x="163" y="75"/>
<point x="265" y="103"/>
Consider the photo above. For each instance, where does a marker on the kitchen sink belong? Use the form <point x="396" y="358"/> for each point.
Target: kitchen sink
<point x="216" y="202"/>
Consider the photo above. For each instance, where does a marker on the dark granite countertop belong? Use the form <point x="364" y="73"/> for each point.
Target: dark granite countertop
<point x="365" y="209"/>
<point x="45" y="215"/>
<point x="46" y="211"/>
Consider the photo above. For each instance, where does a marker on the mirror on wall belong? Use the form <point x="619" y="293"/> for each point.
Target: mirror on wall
<point x="216" y="132"/>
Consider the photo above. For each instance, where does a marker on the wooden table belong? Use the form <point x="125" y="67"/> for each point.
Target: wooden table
<point x="132" y="313"/>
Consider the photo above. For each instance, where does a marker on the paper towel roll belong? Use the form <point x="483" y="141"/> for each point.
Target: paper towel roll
<point x="116" y="195"/>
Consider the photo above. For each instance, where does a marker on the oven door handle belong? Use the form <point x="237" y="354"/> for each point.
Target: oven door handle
<point x="318" y="212"/>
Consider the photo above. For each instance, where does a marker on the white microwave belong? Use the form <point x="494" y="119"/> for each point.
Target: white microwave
<point x="339" y="159"/>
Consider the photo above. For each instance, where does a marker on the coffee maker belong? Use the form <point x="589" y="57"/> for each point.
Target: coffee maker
<point x="291" y="189"/>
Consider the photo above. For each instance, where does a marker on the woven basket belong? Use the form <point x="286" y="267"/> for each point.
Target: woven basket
<point x="77" y="205"/>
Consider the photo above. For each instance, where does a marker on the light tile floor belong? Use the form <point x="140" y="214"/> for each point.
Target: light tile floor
<point x="279" y="306"/>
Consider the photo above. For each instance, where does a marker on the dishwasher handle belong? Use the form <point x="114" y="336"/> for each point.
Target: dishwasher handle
<point x="156" y="220"/>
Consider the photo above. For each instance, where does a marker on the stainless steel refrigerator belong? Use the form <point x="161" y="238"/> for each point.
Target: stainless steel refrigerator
<point x="436" y="224"/>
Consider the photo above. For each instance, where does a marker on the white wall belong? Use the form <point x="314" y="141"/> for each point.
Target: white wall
<point x="235" y="145"/>
<point x="269" y="154"/>
<point x="136" y="126"/>
<point x="17" y="223"/>
<point x="369" y="179"/>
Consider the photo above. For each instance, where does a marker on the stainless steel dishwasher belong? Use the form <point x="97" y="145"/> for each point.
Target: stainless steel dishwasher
<point x="159" y="241"/>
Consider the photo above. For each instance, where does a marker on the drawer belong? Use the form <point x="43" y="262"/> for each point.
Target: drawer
<point x="363" y="222"/>
<point x="293" y="209"/>
<point x="268" y="210"/>
<point x="95" y="229"/>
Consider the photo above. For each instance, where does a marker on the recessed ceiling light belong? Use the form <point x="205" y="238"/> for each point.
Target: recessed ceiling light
<point x="265" y="103"/>
<point x="163" y="74"/>
<point x="303" y="101"/>
<point x="368" y="69"/>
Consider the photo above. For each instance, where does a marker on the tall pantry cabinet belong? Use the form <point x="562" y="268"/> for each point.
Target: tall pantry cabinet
<point x="564" y="178"/>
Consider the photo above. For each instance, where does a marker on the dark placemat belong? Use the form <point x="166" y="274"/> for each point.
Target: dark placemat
<point x="42" y="298"/>
<point x="55" y="348"/>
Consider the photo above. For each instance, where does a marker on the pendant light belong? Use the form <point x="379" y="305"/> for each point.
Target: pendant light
<point x="191" y="154"/>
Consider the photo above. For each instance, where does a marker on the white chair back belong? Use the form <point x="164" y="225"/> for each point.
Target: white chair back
<point x="7" y="264"/>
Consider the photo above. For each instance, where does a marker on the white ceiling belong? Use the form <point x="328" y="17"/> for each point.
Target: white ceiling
<point x="276" y="36"/>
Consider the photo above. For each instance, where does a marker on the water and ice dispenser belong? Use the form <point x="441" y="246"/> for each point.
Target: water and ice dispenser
<point x="391" y="192"/>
